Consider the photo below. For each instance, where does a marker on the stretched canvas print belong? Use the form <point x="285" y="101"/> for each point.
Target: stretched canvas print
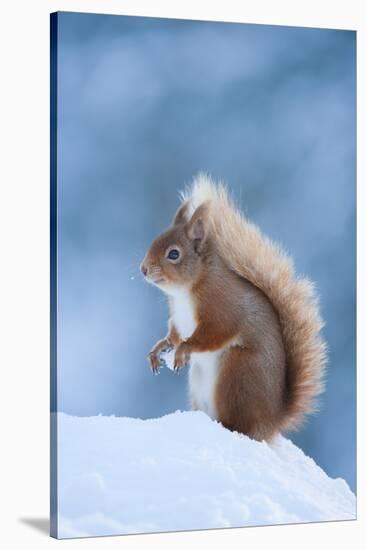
<point x="202" y="275"/>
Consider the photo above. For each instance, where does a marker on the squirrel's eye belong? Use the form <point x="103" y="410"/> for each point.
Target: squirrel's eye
<point x="173" y="254"/>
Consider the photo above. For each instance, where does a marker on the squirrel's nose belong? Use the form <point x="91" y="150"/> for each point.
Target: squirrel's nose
<point x="143" y="270"/>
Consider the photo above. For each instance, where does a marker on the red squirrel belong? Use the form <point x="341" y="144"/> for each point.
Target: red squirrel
<point x="248" y="327"/>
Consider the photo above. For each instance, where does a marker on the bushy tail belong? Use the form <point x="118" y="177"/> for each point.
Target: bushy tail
<point x="253" y="256"/>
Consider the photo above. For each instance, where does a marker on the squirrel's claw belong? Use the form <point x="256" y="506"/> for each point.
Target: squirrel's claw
<point x="177" y="368"/>
<point x="155" y="362"/>
<point x="155" y="370"/>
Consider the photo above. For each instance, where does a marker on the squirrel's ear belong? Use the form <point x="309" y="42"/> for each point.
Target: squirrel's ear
<point x="181" y="214"/>
<point x="197" y="226"/>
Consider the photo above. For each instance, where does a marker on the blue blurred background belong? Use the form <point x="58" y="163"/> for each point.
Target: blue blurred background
<point x="143" y="105"/>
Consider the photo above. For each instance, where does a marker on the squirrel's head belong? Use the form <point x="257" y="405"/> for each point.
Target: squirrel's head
<point x="175" y="258"/>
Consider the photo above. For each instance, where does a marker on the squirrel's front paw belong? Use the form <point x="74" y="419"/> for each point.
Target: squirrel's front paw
<point x="182" y="356"/>
<point x="154" y="356"/>
<point x="154" y="360"/>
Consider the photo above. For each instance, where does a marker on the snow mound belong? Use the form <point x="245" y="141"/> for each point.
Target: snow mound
<point x="184" y="471"/>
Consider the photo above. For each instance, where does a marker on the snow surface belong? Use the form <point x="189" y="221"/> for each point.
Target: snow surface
<point x="184" y="471"/>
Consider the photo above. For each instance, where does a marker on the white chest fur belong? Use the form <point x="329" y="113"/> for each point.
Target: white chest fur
<point x="183" y="313"/>
<point x="204" y="366"/>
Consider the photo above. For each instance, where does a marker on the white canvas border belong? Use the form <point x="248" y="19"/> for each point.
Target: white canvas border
<point x="24" y="298"/>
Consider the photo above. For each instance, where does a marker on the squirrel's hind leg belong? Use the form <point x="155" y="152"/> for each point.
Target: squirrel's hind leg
<point x="245" y="400"/>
